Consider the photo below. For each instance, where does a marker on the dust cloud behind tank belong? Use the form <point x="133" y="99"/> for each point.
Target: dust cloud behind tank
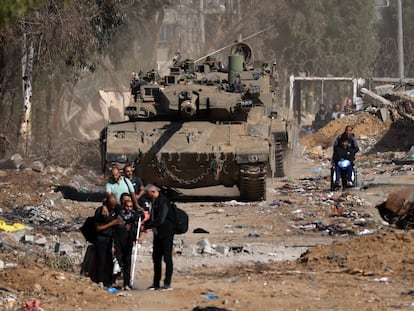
<point x="203" y="125"/>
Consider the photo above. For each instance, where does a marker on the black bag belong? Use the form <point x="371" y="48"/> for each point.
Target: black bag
<point x="88" y="230"/>
<point x="181" y="219"/>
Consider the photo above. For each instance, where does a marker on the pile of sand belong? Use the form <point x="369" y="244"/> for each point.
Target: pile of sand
<point x="364" y="124"/>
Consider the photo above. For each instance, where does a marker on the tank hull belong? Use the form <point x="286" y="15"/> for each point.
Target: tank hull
<point x="185" y="155"/>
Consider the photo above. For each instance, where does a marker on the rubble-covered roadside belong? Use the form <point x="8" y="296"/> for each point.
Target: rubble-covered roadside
<point x="301" y="212"/>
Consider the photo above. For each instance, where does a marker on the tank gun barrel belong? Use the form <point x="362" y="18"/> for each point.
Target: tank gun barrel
<point x="188" y="108"/>
<point x="187" y="104"/>
<point x="230" y="45"/>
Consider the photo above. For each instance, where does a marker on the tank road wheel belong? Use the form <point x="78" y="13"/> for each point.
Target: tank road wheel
<point x="252" y="184"/>
<point x="279" y="168"/>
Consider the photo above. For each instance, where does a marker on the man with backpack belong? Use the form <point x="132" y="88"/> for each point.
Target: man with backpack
<point x="162" y="224"/>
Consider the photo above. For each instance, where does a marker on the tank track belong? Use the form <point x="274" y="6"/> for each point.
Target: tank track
<point x="252" y="184"/>
<point x="279" y="168"/>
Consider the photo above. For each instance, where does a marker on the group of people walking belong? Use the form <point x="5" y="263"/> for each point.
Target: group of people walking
<point x="128" y="204"/>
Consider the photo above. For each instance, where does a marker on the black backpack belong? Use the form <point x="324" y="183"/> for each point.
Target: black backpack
<point x="181" y="219"/>
<point x="88" y="229"/>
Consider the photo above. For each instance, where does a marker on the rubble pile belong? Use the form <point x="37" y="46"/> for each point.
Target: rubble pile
<point x="398" y="102"/>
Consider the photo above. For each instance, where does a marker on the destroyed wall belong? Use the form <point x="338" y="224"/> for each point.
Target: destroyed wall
<point x="84" y="121"/>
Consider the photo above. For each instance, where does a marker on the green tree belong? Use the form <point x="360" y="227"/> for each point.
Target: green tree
<point x="71" y="40"/>
<point x="323" y="36"/>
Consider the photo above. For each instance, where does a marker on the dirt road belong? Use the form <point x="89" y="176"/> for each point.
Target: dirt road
<point x="305" y="248"/>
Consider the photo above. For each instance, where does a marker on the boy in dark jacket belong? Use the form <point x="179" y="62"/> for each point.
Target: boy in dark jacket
<point x="342" y="154"/>
<point x="124" y="236"/>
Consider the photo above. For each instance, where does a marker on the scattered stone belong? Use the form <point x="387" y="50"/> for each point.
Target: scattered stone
<point x="222" y="249"/>
<point x="41" y="241"/>
<point x="28" y="238"/>
<point x="38" y="166"/>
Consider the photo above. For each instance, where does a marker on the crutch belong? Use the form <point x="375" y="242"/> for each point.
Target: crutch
<point x="135" y="253"/>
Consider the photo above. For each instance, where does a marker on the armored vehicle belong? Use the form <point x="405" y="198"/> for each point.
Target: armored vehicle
<point x="203" y="125"/>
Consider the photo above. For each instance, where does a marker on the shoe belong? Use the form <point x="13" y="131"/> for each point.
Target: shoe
<point x="166" y="287"/>
<point x="127" y="288"/>
<point x="101" y="285"/>
<point x="153" y="287"/>
<point x="349" y="183"/>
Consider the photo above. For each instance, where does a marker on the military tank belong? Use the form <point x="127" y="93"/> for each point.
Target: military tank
<point x="203" y="125"/>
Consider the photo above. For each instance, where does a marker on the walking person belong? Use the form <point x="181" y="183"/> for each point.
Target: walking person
<point x="103" y="244"/>
<point x="162" y="225"/>
<point x="350" y="136"/>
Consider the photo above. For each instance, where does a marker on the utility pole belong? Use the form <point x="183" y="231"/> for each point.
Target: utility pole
<point x="202" y="28"/>
<point x="400" y="41"/>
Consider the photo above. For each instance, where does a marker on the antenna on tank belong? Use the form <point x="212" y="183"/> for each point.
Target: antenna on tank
<point x="230" y="45"/>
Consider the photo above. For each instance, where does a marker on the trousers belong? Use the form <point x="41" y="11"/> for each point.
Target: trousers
<point x="162" y="248"/>
<point x="103" y="249"/>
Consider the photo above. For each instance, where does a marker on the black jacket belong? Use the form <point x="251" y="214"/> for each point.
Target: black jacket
<point x="343" y="154"/>
<point x="161" y="218"/>
<point x="352" y="142"/>
<point x="103" y="220"/>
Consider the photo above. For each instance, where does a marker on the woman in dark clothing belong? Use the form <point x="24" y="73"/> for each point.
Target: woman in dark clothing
<point x="322" y="117"/>
<point x="103" y="243"/>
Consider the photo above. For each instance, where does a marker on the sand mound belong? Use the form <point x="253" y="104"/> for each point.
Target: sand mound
<point x="365" y="124"/>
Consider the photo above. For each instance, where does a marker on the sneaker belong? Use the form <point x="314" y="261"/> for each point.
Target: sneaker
<point x="153" y="287"/>
<point x="127" y="288"/>
<point x="349" y="183"/>
<point x="166" y="287"/>
<point x="101" y="285"/>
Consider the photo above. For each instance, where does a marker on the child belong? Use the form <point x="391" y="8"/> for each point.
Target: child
<point x="343" y="152"/>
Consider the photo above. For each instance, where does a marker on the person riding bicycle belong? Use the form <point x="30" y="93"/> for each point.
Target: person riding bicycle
<point x="343" y="158"/>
